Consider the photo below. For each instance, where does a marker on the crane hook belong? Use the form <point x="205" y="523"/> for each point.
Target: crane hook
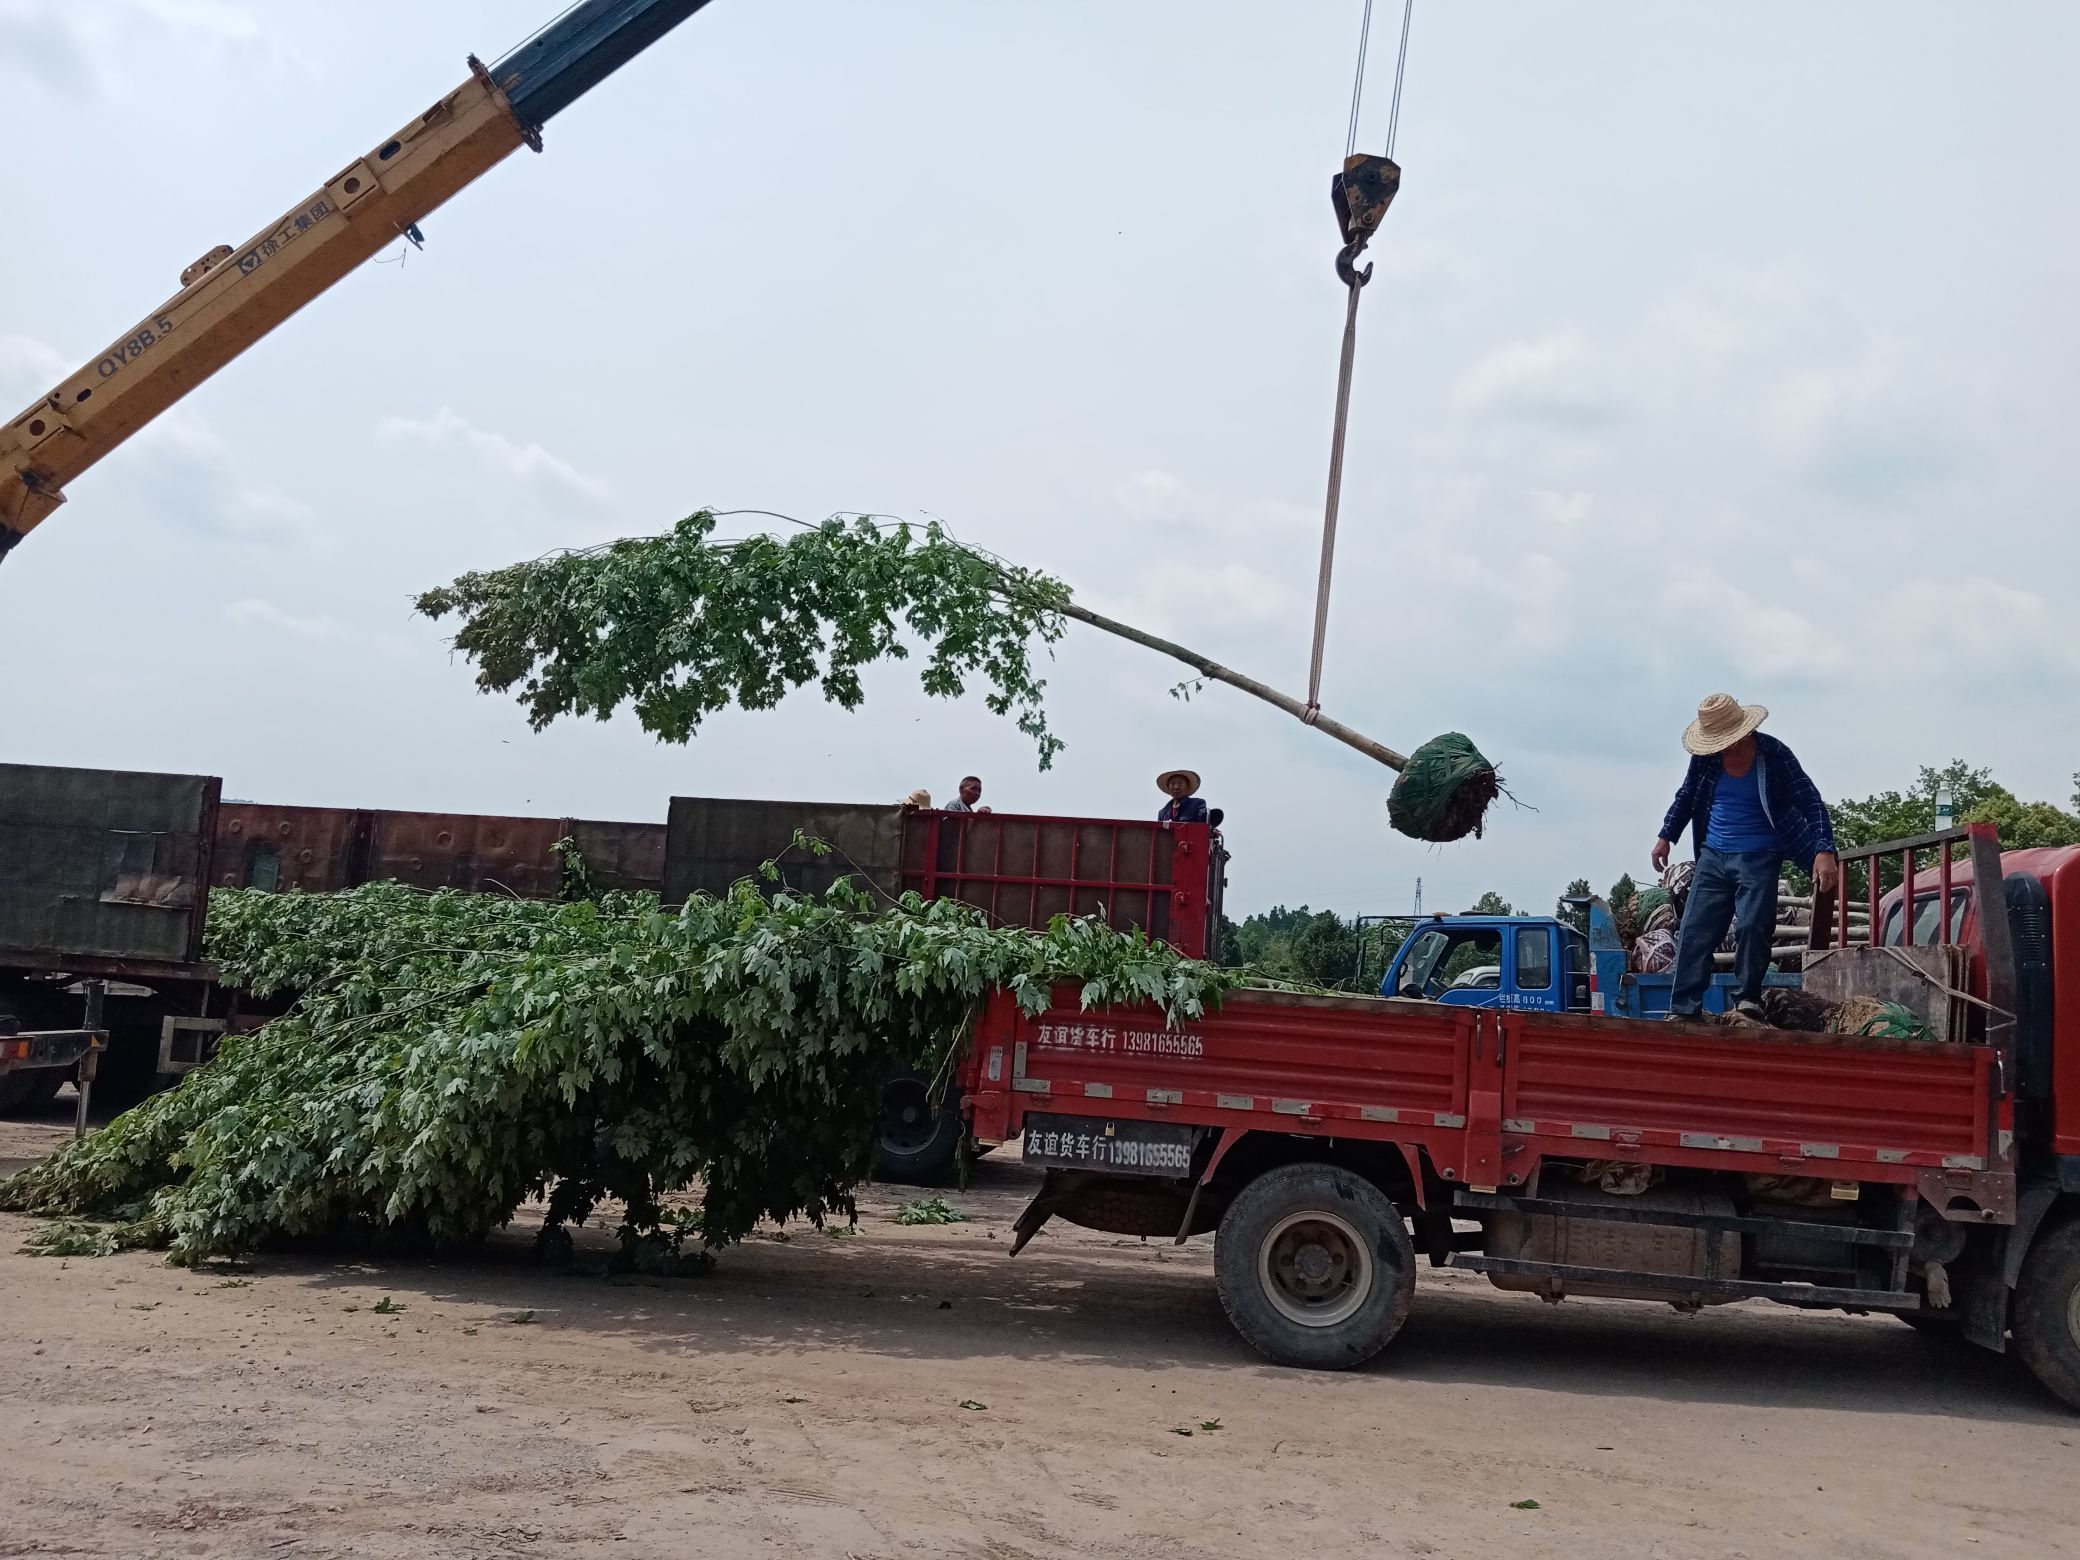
<point x="1361" y="192"/>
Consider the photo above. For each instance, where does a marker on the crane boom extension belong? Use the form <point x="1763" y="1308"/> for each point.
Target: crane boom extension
<point x="232" y="297"/>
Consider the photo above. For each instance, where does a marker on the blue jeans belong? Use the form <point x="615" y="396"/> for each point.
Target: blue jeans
<point x="1730" y="889"/>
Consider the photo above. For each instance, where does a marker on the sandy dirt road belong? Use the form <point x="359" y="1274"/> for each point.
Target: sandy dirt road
<point x="807" y="1400"/>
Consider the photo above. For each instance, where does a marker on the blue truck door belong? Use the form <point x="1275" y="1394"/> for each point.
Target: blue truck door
<point x="1532" y="976"/>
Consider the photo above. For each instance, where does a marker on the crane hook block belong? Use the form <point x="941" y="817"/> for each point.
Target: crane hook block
<point x="1361" y="192"/>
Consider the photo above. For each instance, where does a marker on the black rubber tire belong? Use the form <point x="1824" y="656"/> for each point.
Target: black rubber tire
<point x="917" y="1145"/>
<point x="128" y="1072"/>
<point x="2046" y="1317"/>
<point x="24" y="1093"/>
<point x="1356" y="1245"/>
<point x="31" y="1093"/>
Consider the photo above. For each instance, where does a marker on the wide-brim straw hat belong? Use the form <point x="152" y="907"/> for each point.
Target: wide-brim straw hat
<point x="1163" y="780"/>
<point x="918" y="798"/>
<point x="1722" y="720"/>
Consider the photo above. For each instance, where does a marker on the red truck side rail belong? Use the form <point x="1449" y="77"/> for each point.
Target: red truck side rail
<point x="1022" y="869"/>
<point x="1485" y="1095"/>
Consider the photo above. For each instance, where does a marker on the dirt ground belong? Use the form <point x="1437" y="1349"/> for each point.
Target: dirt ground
<point x="912" y="1392"/>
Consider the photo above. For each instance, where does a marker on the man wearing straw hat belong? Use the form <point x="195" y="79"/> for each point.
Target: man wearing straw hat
<point x="1185" y="805"/>
<point x="1750" y="808"/>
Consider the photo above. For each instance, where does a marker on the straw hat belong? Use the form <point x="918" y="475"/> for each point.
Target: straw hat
<point x="1721" y="721"/>
<point x="1163" y="780"/>
<point x="918" y="798"/>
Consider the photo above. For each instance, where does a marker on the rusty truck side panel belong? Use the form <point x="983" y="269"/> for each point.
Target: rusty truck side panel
<point x="263" y="846"/>
<point x="104" y="864"/>
<point x="715" y="841"/>
<point x="476" y="853"/>
<point x="324" y="849"/>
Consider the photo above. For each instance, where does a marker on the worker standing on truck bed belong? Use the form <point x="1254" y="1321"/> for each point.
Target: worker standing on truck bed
<point x="1750" y="808"/>
<point x="1185" y="804"/>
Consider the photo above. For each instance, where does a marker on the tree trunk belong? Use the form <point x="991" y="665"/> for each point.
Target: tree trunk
<point x="1249" y="685"/>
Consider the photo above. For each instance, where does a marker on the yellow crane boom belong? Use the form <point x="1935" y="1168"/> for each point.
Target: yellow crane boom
<point x="230" y="298"/>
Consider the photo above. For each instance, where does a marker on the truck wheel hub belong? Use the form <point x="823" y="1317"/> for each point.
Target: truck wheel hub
<point x="907" y="1124"/>
<point x="1315" y="1268"/>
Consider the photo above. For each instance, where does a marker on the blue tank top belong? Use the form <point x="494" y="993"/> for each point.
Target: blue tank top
<point x="1739" y="823"/>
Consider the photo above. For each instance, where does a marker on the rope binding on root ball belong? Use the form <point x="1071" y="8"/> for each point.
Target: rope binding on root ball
<point x="1444" y="792"/>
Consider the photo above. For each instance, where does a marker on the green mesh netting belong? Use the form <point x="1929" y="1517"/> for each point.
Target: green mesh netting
<point x="1647" y="901"/>
<point x="1444" y="792"/>
<point x="1879" y="1019"/>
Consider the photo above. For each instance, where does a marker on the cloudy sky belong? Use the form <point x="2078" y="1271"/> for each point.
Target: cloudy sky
<point x="1711" y="347"/>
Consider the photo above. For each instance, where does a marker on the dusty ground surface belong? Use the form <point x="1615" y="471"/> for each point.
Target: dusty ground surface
<point x="807" y="1399"/>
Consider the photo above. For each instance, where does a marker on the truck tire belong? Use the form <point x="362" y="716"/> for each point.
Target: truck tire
<point x="917" y="1144"/>
<point x="2047" y="1312"/>
<point x="23" y="1093"/>
<point x="128" y="1073"/>
<point x="1314" y="1266"/>
<point x="31" y="1093"/>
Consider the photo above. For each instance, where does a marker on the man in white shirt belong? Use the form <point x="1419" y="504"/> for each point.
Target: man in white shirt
<point x="971" y="793"/>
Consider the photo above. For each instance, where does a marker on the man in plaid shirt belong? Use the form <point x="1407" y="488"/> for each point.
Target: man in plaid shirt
<point x="1750" y="807"/>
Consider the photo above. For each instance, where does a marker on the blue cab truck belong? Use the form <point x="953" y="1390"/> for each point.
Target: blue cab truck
<point x="1537" y="963"/>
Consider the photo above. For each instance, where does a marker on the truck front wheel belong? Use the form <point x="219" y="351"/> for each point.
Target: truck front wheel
<point x="2047" y="1312"/>
<point x="1314" y="1266"/>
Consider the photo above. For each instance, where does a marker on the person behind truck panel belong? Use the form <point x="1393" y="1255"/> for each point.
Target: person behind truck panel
<point x="1750" y="808"/>
<point x="971" y="793"/>
<point x="1183" y="806"/>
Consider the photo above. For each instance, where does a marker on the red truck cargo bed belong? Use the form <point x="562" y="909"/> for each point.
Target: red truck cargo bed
<point x="1486" y="1094"/>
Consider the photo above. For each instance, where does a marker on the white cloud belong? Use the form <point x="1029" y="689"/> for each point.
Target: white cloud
<point x="528" y="465"/>
<point x="1863" y="431"/>
<point x="1556" y="381"/>
<point x="184" y="469"/>
<point x="193" y="476"/>
<point x="28" y="370"/>
<point x="100" y="47"/>
<point x="1153" y="495"/>
<point x="253" y="612"/>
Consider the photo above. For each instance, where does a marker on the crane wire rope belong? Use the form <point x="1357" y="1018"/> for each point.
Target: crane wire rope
<point x="1355" y="281"/>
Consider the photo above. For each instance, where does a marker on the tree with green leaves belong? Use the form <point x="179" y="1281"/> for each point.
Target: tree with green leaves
<point x="1574" y="915"/>
<point x="1315" y="947"/>
<point x="453" y="1055"/>
<point x="679" y="626"/>
<point x="1976" y="797"/>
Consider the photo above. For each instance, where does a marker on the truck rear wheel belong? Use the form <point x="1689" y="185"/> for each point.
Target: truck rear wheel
<point x="1314" y="1266"/>
<point x="2047" y="1312"/>
<point x="916" y="1144"/>
<point x="26" y="1093"/>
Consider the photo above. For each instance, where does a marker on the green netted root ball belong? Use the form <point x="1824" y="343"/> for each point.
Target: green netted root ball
<point x="1444" y="792"/>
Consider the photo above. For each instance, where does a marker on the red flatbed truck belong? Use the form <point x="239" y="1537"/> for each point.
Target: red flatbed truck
<point x="1325" y="1141"/>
